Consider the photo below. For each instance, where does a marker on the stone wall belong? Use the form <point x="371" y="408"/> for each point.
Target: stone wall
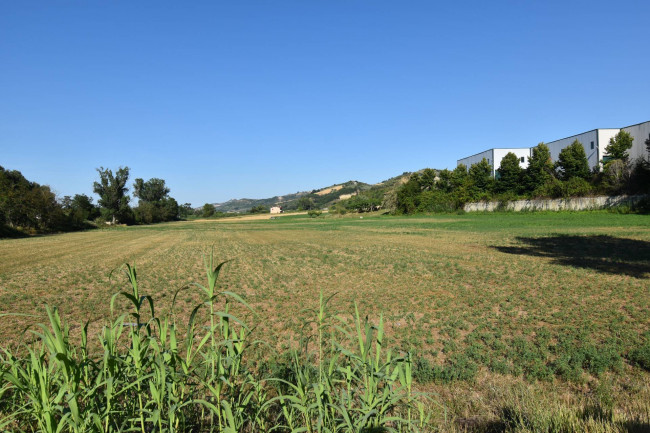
<point x="576" y="203"/>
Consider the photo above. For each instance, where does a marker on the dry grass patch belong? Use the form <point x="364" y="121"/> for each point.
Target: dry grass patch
<point x="473" y="294"/>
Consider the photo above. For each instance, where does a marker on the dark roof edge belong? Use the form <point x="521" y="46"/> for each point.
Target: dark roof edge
<point x="487" y="150"/>
<point x="575" y="135"/>
<point x="496" y="148"/>
<point x="636" y="124"/>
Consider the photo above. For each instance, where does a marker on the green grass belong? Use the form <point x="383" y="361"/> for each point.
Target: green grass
<point x="556" y="301"/>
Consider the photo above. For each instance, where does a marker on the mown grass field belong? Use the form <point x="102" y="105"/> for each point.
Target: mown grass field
<point x="497" y="308"/>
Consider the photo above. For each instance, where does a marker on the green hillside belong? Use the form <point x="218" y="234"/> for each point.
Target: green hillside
<point x="321" y="198"/>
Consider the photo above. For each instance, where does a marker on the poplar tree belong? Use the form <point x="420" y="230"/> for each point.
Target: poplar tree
<point x="112" y="190"/>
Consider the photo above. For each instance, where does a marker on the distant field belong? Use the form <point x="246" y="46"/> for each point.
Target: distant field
<point x="558" y="298"/>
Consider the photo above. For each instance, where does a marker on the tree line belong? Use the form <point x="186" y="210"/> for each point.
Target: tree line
<point x="154" y="202"/>
<point x="27" y="206"/>
<point x="570" y="176"/>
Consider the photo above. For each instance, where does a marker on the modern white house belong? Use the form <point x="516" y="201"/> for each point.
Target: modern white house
<point x="494" y="157"/>
<point x="594" y="143"/>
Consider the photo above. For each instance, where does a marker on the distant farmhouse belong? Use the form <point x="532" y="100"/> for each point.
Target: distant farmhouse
<point x="276" y="209"/>
<point x="594" y="142"/>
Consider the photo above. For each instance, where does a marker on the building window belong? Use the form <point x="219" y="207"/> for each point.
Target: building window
<point x="522" y="159"/>
<point x="592" y="145"/>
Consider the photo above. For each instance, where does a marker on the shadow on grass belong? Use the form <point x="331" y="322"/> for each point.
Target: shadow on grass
<point x="599" y="252"/>
<point x="522" y="422"/>
<point x="7" y="232"/>
<point x="635" y="427"/>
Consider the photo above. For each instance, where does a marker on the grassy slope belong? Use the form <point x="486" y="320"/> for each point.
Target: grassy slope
<point x="321" y="200"/>
<point x="290" y="201"/>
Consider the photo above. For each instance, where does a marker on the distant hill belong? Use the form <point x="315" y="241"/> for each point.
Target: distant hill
<point x="245" y="204"/>
<point x="323" y="197"/>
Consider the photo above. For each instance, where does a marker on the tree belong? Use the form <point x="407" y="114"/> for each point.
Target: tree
<point x="509" y="174"/>
<point x="363" y="203"/>
<point x="185" y="210"/>
<point x="27" y="204"/>
<point x="540" y="168"/>
<point x="153" y="190"/>
<point x="170" y="211"/>
<point x="112" y="190"/>
<point x="338" y="209"/>
<point x="259" y="209"/>
<point x="408" y="196"/>
<point x="572" y="162"/>
<point x="616" y="175"/>
<point x="208" y="210"/>
<point x="459" y="177"/>
<point x="389" y="201"/>
<point x="481" y="175"/>
<point x="436" y="201"/>
<point x="444" y="180"/>
<point x="80" y="208"/>
<point x="306" y="203"/>
<point x="428" y="178"/>
<point x="619" y="145"/>
<point x="154" y="205"/>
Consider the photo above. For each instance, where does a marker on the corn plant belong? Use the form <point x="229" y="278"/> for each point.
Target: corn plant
<point x="144" y="374"/>
<point x="353" y="390"/>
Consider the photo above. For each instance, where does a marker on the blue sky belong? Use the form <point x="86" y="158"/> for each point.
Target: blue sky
<point x="258" y="98"/>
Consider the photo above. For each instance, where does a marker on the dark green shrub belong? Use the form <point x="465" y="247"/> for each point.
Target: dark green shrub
<point x="641" y="356"/>
<point x="538" y="370"/>
<point x="552" y="188"/>
<point x="601" y="359"/>
<point x="577" y="187"/>
<point x="477" y="352"/>
<point x="499" y="365"/>
<point x="569" y="366"/>
<point x="422" y="371"/>
<point x="458" y="367"/>
<point x="436" y="201"/>
<point x="313" y="213"/>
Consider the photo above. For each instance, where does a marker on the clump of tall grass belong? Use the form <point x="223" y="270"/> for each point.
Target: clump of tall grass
<point x="149" y="372"/>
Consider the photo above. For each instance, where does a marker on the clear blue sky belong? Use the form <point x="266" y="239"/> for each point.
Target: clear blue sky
<point x="256" y="98"/>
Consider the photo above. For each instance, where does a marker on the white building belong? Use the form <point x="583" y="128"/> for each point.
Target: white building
<point x="594" y="143"/>
<point x="494" y="157"/>
<point x="276" y="209"/>
<point x="640" y="132"/>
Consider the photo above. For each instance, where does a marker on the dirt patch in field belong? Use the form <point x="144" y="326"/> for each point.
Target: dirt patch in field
<point x="330" y="189"/>
<point x="249" y="217"/>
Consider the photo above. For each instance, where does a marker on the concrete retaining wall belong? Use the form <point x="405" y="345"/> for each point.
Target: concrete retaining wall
<point x="576" y="203"/>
